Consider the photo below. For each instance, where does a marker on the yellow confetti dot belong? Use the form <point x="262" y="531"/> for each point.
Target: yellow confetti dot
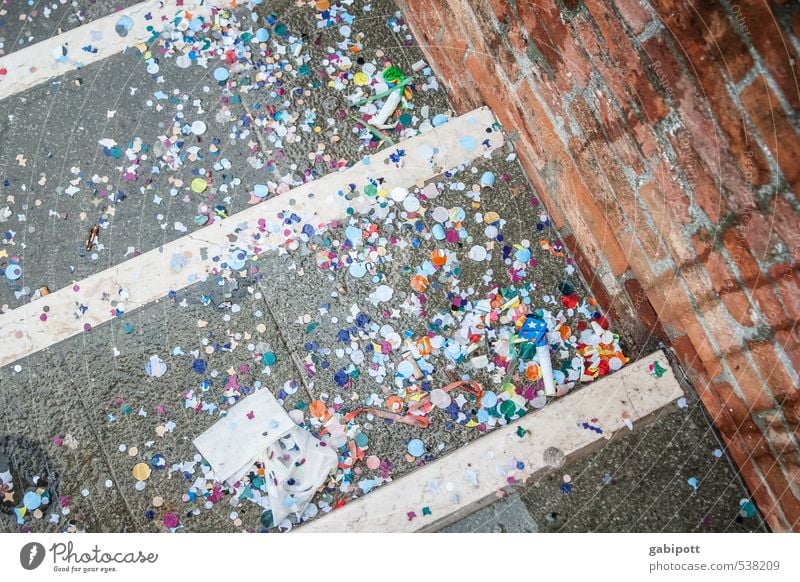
<point x="360" y="79"/>
<point x="141" y="471"/>
<point x="199" y="185"/>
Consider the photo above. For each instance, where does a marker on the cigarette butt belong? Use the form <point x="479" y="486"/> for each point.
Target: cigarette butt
<point x="95" y="230"/>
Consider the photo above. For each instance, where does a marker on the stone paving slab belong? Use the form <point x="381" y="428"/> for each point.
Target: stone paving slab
<point x="81" y="388"/>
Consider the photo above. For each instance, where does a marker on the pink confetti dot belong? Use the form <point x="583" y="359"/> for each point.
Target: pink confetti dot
<point x="170" y="520"/>
<point x="43" y="317"/>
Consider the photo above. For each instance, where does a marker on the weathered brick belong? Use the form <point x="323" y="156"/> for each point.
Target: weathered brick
<point x="789" y="341"/>
<point x="760" y="233"/>
<point x="706" y="192"/>
<point x="444" y="43"/>
<point x="738" y="419"/>
<point x="746" y="376"/>
<point x="606" y="178"/>
<point x="495" y="39"/>
<point x="624" y="64"/>
<point x="675" y="198"/>
<point x="776" y="130"/>
<point x="707" y="37"/>
<point x="664" y="219"/>
<point x="738" y="248"/>
<point x="690" y="359"/>
<point x="582" y="180"/>
<point x="772" y="369"/>
<point x="770" y="307"/>
<point x="722" y="278"/>
<point x="787" y="223"/>
<point x="787" y="281"/>
<point x="787" y="504"/>
<point x="681" y="85"/>
<point x="551" y="52"/>
<point x="529" y="164"/>
<point x="634" y="14"/>
<point x="774" y="47"/>
<point x="648" y="317"/>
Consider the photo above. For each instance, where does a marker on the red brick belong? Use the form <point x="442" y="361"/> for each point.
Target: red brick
<point x="705" y="187"/>
<point x="664" y="220"/>
<point x="690" y="359"/>
<point x="739" y="250"/>
<point x="757" y="397"/>
<point x="770" y="307"/>
<point x="707" y="37"/>
<point x="787" y="281"/>
<point x="738" y="420"/>
<point x="624" y="64"/>
<point x="618" y="136"/>
<point x="497" y="95"/>
<point x="444" y="44"/>
<point x="634" y="14"/>
<point x="788" y="503"/>
<point x="675" y="199"/>
<point x="786" y="221"/>
<point x="789" y="342"/>
<point x="723" y="280"/>
<point x="776" y="130"/>
<point x="603" y="174"/>
<point x="525" y="156"/>
<point x="772" y="369"/>
<point x="644" y="309"/>
<point x="760" y="233"/>
<point x="691" y="99"/>
<point x="645" y="135"/>
<point x="724" y="330"/>
<point x="775" y="49"/>
<point x="495" y="41"/>
<point x="589" y="223"/>
<point x="553" y="50"/>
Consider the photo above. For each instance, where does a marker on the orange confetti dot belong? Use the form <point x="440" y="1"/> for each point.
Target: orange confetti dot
<point x="394" y="403"/>
<point x="532" y="372"/>
<point x="317" y="408"/>
<point x="424" y="346"/>
<point x="438" y="257"/>
<point x="419" y="283"/>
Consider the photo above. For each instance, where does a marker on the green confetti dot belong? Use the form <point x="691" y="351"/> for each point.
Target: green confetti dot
<point x="508" y="408"/>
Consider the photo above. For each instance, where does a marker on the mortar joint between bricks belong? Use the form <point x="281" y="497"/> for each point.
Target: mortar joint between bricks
<point x="651" y="29"/>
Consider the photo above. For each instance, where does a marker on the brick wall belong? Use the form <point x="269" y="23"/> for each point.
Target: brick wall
<point x="663" y="138"/>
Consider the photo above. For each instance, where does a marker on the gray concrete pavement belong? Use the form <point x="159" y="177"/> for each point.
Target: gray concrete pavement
<point x="26" y="22"/>
<point x="76" y="418"/>
<point x="638" y="483"/>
